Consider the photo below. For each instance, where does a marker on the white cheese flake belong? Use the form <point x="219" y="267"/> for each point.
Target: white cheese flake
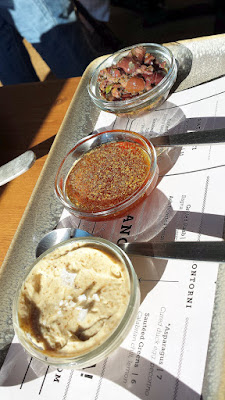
<point x="82" y="314"/>
<point x="95" y="297"/>
<point x="68" y="277"/>
<point x="82" y="298"/>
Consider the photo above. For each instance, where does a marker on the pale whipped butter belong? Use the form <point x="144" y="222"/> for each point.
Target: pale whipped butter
<point x="73" y="299"/>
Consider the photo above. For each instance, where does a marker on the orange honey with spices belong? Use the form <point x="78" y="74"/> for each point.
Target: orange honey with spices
<point x="107" y="176"/>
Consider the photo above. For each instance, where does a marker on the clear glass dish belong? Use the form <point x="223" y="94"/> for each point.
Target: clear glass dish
<point x="145" y="102"/>
<point x="102" y="349"/>
<point x="92" y="142"/>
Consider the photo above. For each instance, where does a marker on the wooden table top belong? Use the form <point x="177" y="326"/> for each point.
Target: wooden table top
<point x="30" y="115"/>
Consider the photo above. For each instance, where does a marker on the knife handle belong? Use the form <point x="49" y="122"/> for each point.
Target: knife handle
<point x="198" y="251"/>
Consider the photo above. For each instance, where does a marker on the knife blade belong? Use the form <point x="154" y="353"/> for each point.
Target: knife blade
<point x="214" y="136"/>
<point x="195" y="251"/>
<point x="16" y="167"/>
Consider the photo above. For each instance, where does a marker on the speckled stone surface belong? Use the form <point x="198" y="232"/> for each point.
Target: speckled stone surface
<point x="199" y="60"/>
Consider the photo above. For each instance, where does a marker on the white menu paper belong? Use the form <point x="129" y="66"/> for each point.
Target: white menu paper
<point x="164" y="355"/>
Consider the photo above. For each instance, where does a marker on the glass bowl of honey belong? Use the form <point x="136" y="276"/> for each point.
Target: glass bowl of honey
<point x="107" y="174"/>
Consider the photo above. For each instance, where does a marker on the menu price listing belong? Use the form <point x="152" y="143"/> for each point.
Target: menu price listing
<point x="164" y="354"/>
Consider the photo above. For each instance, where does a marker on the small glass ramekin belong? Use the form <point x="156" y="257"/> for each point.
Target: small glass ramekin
<point x="92" y="142"/>
<point x="117" y="336"/>
<point x="145" y="102"/>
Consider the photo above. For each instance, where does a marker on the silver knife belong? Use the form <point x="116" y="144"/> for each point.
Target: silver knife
<point x="195" y="251"/>
<point x="16" y="167"/>
<point x="215" y="136"/>
<point x="22" y="163"/>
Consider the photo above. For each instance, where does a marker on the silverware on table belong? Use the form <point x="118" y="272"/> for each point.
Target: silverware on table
<point x="215" y="136"/>
<point x="16" y="167"/>
<point x="23" y="162"/>
<point x="197" y="251"/>
<point x="57" y="236"/>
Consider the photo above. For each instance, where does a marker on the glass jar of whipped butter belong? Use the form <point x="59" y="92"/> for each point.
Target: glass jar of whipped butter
<point x="77" y="303"/>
